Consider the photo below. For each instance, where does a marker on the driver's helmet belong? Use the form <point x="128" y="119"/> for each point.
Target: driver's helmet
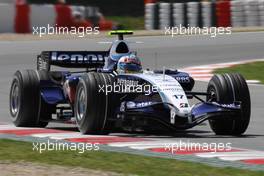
<point x="129" y="64"/>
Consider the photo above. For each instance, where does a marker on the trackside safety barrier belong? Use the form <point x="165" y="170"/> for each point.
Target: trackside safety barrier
<point x="236" y="13"/>
<point x="21" y="17"/>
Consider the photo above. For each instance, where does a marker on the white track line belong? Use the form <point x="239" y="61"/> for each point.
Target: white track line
<point x="253" y="81"/>
<point x="57" y="135"/>
<point x="233" y="156"/>
<point x="68" y="135"/>
<point x="202" y="75"/>
<point x="238" y="158"/>
<point x="199" y="71"/>
<point x="13" y="127"/>
<point x="143" y="144"/>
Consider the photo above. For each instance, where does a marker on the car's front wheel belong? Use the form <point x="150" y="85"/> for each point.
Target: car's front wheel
<point x="226" y="89"/>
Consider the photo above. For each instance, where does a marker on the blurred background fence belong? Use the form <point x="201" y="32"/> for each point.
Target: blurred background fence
<point x="21" y="15"/>
<point x="236" y="13"/>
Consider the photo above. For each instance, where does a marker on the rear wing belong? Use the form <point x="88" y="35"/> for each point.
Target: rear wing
<point x="71" y="59"/>
<point x="121" y="33"/>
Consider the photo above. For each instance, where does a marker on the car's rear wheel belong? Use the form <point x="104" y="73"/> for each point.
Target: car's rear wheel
<point x="226" y="89"/>
<point x="92" y="105"/>
<point x="25" y="103"/>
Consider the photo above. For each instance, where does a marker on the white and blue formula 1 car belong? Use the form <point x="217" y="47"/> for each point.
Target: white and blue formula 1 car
<point x="111" y="92"/>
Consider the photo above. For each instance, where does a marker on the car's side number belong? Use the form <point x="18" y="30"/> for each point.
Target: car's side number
<point x="178" y="96"/>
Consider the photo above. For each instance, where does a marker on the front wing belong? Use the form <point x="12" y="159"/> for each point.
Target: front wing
<point x="165" y="113"/>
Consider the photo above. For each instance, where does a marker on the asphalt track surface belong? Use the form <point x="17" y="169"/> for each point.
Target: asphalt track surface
<point x="177" y="52"/>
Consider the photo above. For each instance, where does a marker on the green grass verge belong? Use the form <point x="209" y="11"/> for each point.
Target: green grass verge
<point x="251" y="71"/>
<point x="116" y="162"/>
<point x="129" y="23"/>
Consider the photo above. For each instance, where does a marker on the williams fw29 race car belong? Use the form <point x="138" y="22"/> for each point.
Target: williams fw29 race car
<point x="109" y="91"/>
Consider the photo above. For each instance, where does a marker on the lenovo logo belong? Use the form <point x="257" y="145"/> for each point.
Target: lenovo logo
<point x="77" y="58"/>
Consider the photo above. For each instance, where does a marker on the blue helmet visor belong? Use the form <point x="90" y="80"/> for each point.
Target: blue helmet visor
<point x="130" y="67"/>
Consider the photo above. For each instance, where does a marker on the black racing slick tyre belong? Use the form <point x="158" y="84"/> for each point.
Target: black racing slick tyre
<point x="226" y="89"/>
<point x="26" y="107"/>
<point x="92" y="105"/>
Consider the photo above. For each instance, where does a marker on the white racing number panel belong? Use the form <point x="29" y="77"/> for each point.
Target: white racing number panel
<point x="170" y="91"/>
